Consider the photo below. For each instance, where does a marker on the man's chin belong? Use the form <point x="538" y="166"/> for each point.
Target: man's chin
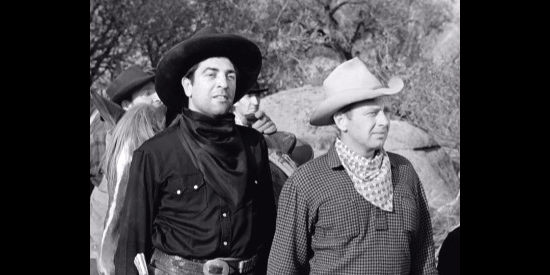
<point x="220" y="109"/>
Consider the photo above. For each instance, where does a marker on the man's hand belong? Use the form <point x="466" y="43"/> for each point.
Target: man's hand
<point x="264" y="124"/>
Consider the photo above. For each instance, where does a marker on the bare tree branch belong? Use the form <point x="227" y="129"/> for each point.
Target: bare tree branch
<point x="341" y="4"/>
<point x="281" y="12"/>
<point x="357" y="33"/>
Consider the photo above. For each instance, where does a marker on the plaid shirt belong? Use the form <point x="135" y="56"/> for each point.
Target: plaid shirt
<point x="98" y="133"/>
<point x="325" y="227"/>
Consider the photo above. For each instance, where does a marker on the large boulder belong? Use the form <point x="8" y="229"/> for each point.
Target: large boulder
<point x="291" y="109"/>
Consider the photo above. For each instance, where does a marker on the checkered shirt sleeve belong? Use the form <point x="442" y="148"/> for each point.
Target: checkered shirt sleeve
<point x="289" y="250"/>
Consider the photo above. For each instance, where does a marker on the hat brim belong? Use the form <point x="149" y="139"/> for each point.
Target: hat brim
<point x="323" y="113"/>
<point x="131" y="88"/>
<point x="257" y="91"/>
<point x="243" y="53"/>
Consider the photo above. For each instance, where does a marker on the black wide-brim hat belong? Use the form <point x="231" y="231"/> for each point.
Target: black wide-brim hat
<point x="256" y="89"/>
<point x="206" y="43"/>
<point x="127" y="83"/>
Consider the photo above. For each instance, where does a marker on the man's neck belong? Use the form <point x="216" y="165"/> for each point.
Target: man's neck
<point x="358" y="149"/>
<point x="196" y="110"/>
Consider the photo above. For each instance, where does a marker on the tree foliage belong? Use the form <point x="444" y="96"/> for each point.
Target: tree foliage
<point x="289" y="32"/>
<point x="109" y="36"/>
<point x="301" y="40"/>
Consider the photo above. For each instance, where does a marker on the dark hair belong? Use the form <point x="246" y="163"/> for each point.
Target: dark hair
<point x="190" y="74"/>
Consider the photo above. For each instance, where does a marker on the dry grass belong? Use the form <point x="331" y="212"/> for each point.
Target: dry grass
<point x="432" y="101"/>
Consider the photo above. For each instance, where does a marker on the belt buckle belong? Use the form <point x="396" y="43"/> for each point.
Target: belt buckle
<point x="215" y="266"/>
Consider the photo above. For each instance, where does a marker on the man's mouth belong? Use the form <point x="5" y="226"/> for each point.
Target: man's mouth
<point x="222" y="97"/>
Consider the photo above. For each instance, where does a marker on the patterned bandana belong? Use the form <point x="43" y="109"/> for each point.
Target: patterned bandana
<point x="371" y="177"/>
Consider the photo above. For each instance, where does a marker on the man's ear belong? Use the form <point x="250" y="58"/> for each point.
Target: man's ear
<point x="341" y="121"/>
<point x="126" y="104"/>
<point x="187" y="86"/>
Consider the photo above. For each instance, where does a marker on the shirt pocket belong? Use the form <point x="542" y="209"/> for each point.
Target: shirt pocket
<point x="186" y="194"/>
<point x="336" y="225"/>
<point x="409" y="212"/>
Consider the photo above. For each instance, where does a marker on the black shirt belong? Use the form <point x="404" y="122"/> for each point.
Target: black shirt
<point x="169" y="206"/>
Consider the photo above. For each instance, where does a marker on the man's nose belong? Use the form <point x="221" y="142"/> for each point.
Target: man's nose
<point x="222" y="81"/>
<point x="155" y="98"/>
<point x="382" y="119"/>
<point x="254" y="100"/>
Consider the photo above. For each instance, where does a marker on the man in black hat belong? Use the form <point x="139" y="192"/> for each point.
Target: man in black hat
<point x="286" y="151"/>
<point x="130" y="87"/>
<point x="200" y="197"/>
<point x="247" y="112"/>
<point x="133" y="86"/>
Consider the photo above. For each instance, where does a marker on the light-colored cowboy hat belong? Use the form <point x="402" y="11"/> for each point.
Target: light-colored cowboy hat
<point x="350" y="82"/>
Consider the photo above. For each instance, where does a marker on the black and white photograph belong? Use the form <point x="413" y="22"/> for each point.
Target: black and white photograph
<point x="274" y="137"/>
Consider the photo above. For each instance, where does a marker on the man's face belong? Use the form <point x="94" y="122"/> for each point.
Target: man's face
<point x="367" y="125"/>
<point x="248" y="104"/>
<point x="146" y="95"/>
<point x="213" y="89"/>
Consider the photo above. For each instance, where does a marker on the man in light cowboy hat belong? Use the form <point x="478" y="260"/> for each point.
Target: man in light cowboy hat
<point x="357" y="209"/>
<point x="286" y="152"/>
<point x="200" y="198"/>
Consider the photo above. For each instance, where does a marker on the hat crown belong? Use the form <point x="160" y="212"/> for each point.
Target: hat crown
<point x="205" y="43"/>
<point x="126" y="79"/>
<point x="205" y="31"/>
<point x="348" y="83"/>
<point x="352" y="74"/>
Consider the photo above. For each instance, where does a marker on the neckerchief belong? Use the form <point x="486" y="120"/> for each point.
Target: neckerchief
<point x="371" y="177"/>
<point x="217" y="149"/>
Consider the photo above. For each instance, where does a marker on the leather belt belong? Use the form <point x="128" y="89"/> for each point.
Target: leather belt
<point x="223" y="266"/>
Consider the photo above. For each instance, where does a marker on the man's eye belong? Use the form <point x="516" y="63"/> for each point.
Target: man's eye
<point x="231" y="76"/>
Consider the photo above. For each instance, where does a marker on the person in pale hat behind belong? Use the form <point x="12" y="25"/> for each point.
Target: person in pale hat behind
<point x="357" y="209"/>
<point x="200" y="198"/>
